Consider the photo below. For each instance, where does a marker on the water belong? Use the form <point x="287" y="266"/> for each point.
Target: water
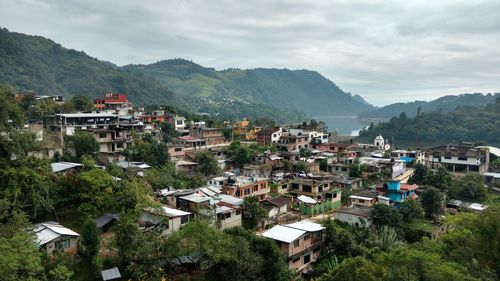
<point x="345" y="125"/>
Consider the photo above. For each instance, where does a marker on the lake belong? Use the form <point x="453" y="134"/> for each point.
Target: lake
<point x="345" y="125"/>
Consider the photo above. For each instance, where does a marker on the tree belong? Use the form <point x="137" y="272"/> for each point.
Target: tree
<point x="11" y="115"/>
<point x="431" y="201"/>
<point x="82" y="103"/>
<point x="168" y="131"/>
<point x="386" y="215"/>
<point x="384" y="238"/>
<point x="85" y="144"/>
<point x="353" y="269"/>
<point x="410" y="210"/>
<point x="94" y="192"/>
<point x="129" y="239"/>
<point x="207" y="164"/>
<point x="304" y="152"/>
<point x="20" y="258"/>
<point x="287" y="166"/>
<point x="61" y="273"/>
<point x="253" y="213"/>
<point x="419" y="174"/>
<point x="469" y="187"/>
<point x="239" y="154"/>
<point x="441" y="179"/>
<point x="209" y="244"/>
<point x="301" y="166"/>
<point x="91" y="244"/>
<point x="323" y="165"/>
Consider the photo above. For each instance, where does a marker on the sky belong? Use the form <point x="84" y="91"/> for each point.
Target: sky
<point x="386" y="51"/>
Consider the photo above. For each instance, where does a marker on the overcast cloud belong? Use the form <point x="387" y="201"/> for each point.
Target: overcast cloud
<point x="385" y="51"/>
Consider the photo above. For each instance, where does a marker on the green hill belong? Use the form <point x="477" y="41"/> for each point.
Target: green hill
<point x="442" y="104"/>
<point x="468" y="123"/>
<point x="41" y="65"/>
<point x="301" y="90"/>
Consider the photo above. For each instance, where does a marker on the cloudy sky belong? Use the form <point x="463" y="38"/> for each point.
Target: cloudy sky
<point x="386" y="51"/>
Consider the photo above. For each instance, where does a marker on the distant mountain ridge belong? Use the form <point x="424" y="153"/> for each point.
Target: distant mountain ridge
<point x="443" y="104"/>
<point x="302" y="90"/>
<point x="39" y="64"/>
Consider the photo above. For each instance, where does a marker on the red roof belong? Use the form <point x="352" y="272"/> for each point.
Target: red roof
<point x="408" y="186"/>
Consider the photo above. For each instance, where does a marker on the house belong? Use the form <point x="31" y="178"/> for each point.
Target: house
<point x="106" y="221"/>
<point x="227" y="216"/>
<point x="189" y="142"/>
<point x="268" y="136"/>
<point x="115" y="103"/>
<point x="409" y="156"/>
<point x="392" y="167"/>
<point x="211" y="136"/>
<point x="292" y="143"/>
<point x="353" y="216"/>
<point x="363" y="201"/>
<point x="241" y="187"/>
<point x="398" y="192"/>
<point x="52" y="236"/>
<point x="300" y="242"/>
<point x="313" y="136"/>
<point x="111" y="274"/>
<point x="349" y="183"/>
<point x="459" y="158"/>
<point x="179" y="123"/>
<point x="275" y="206"/>
<point x="309" y="187"/>
<point x="168" y="219"/>
<point x="467" y="206"/>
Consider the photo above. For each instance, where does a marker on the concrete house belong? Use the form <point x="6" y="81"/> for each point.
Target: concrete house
<point x="169" y="219"/>
<point x="300" y="242"/>
<point x="459" y="158"/>
<point x="52" y="236"/>
<point x="353" y="216"/>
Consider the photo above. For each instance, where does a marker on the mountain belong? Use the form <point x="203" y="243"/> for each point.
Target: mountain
<point x="442" y="104"/>
<point x="302" y="90"/>
<point x="466" y="123"/>
<point x="39" y="64"/>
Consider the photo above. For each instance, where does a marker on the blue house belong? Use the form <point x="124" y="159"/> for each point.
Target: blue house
<point x="399" y="193"/>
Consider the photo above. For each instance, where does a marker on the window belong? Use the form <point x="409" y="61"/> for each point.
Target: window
<point x="295" y="243"/>
<point x="255" y="188"/>
<point x="307" y="237"/>
<point x="361" y="201"/>
<point x="103" y="135"/>
<point x="247" y="191"/>
<point x="295" y="186"/>
<point x="334" y="195"/>
<point x="274" y="135"/>
<point x="306" y="188"/>
<point x="284" y="186"/>
<point x="238" y="193"/>
<point x="179" y="122"/>
<point x="447" y="157"/>
<point x="296" y="260"/>
<point x="307" y="259"/>
<point x="238" y="212"/>
<point x="320" y="188"/>
<point x="63" y="244"/>
<point x="177" y="149"/>
<point x="461" y="158"/>
<point x="184" y="219"/>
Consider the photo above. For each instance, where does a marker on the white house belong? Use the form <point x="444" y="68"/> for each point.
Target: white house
<point x="52" y="236"/>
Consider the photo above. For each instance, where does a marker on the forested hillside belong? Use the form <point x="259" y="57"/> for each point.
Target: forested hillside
<point x="466" y="123"/>
<point x="442" y="104"/>
<point x="302" y="90"/>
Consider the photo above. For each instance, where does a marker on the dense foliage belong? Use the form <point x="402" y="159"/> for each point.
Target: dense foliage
<point x="471" y="124"/>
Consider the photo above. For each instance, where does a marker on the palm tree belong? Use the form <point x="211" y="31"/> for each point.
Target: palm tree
<point x="385" y="238"/>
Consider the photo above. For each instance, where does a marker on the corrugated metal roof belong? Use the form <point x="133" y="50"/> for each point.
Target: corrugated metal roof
<point x="62" y="166"/>
<point x="48" y="231"/>
<point x="360" y="197"/>
<point x="307" y="199"/>
<point x="174" y="212"/>
<point x="306" y="226"/>
<point x="283" y="233"/>
<point x="110" y="274"/>
<point x="196" y="198"/>
<point x="230" y="199"/>
<point x="88" y="115"/>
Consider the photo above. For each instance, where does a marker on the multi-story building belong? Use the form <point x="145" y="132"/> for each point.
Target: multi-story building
<point x="459" y="158"/>
<point x="300" y="242"/>
<point x="112" y="133"/>
<point x="211" y="136"/>
<point x="292" y="143"/>
<point x="269" y="135"/>
<point x="309" y="187"/>
<point x="241" y="187"/>
<point x="114" y="103"/>
<point x="409" y="156"/>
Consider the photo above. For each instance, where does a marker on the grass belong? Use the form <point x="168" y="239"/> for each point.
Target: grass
<point x="423" y="224"/>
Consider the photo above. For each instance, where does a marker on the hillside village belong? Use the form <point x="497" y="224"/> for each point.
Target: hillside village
<point x="117" y="190"/>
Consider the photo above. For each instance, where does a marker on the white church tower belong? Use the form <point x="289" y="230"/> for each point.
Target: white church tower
<point x="379" y="142"/>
